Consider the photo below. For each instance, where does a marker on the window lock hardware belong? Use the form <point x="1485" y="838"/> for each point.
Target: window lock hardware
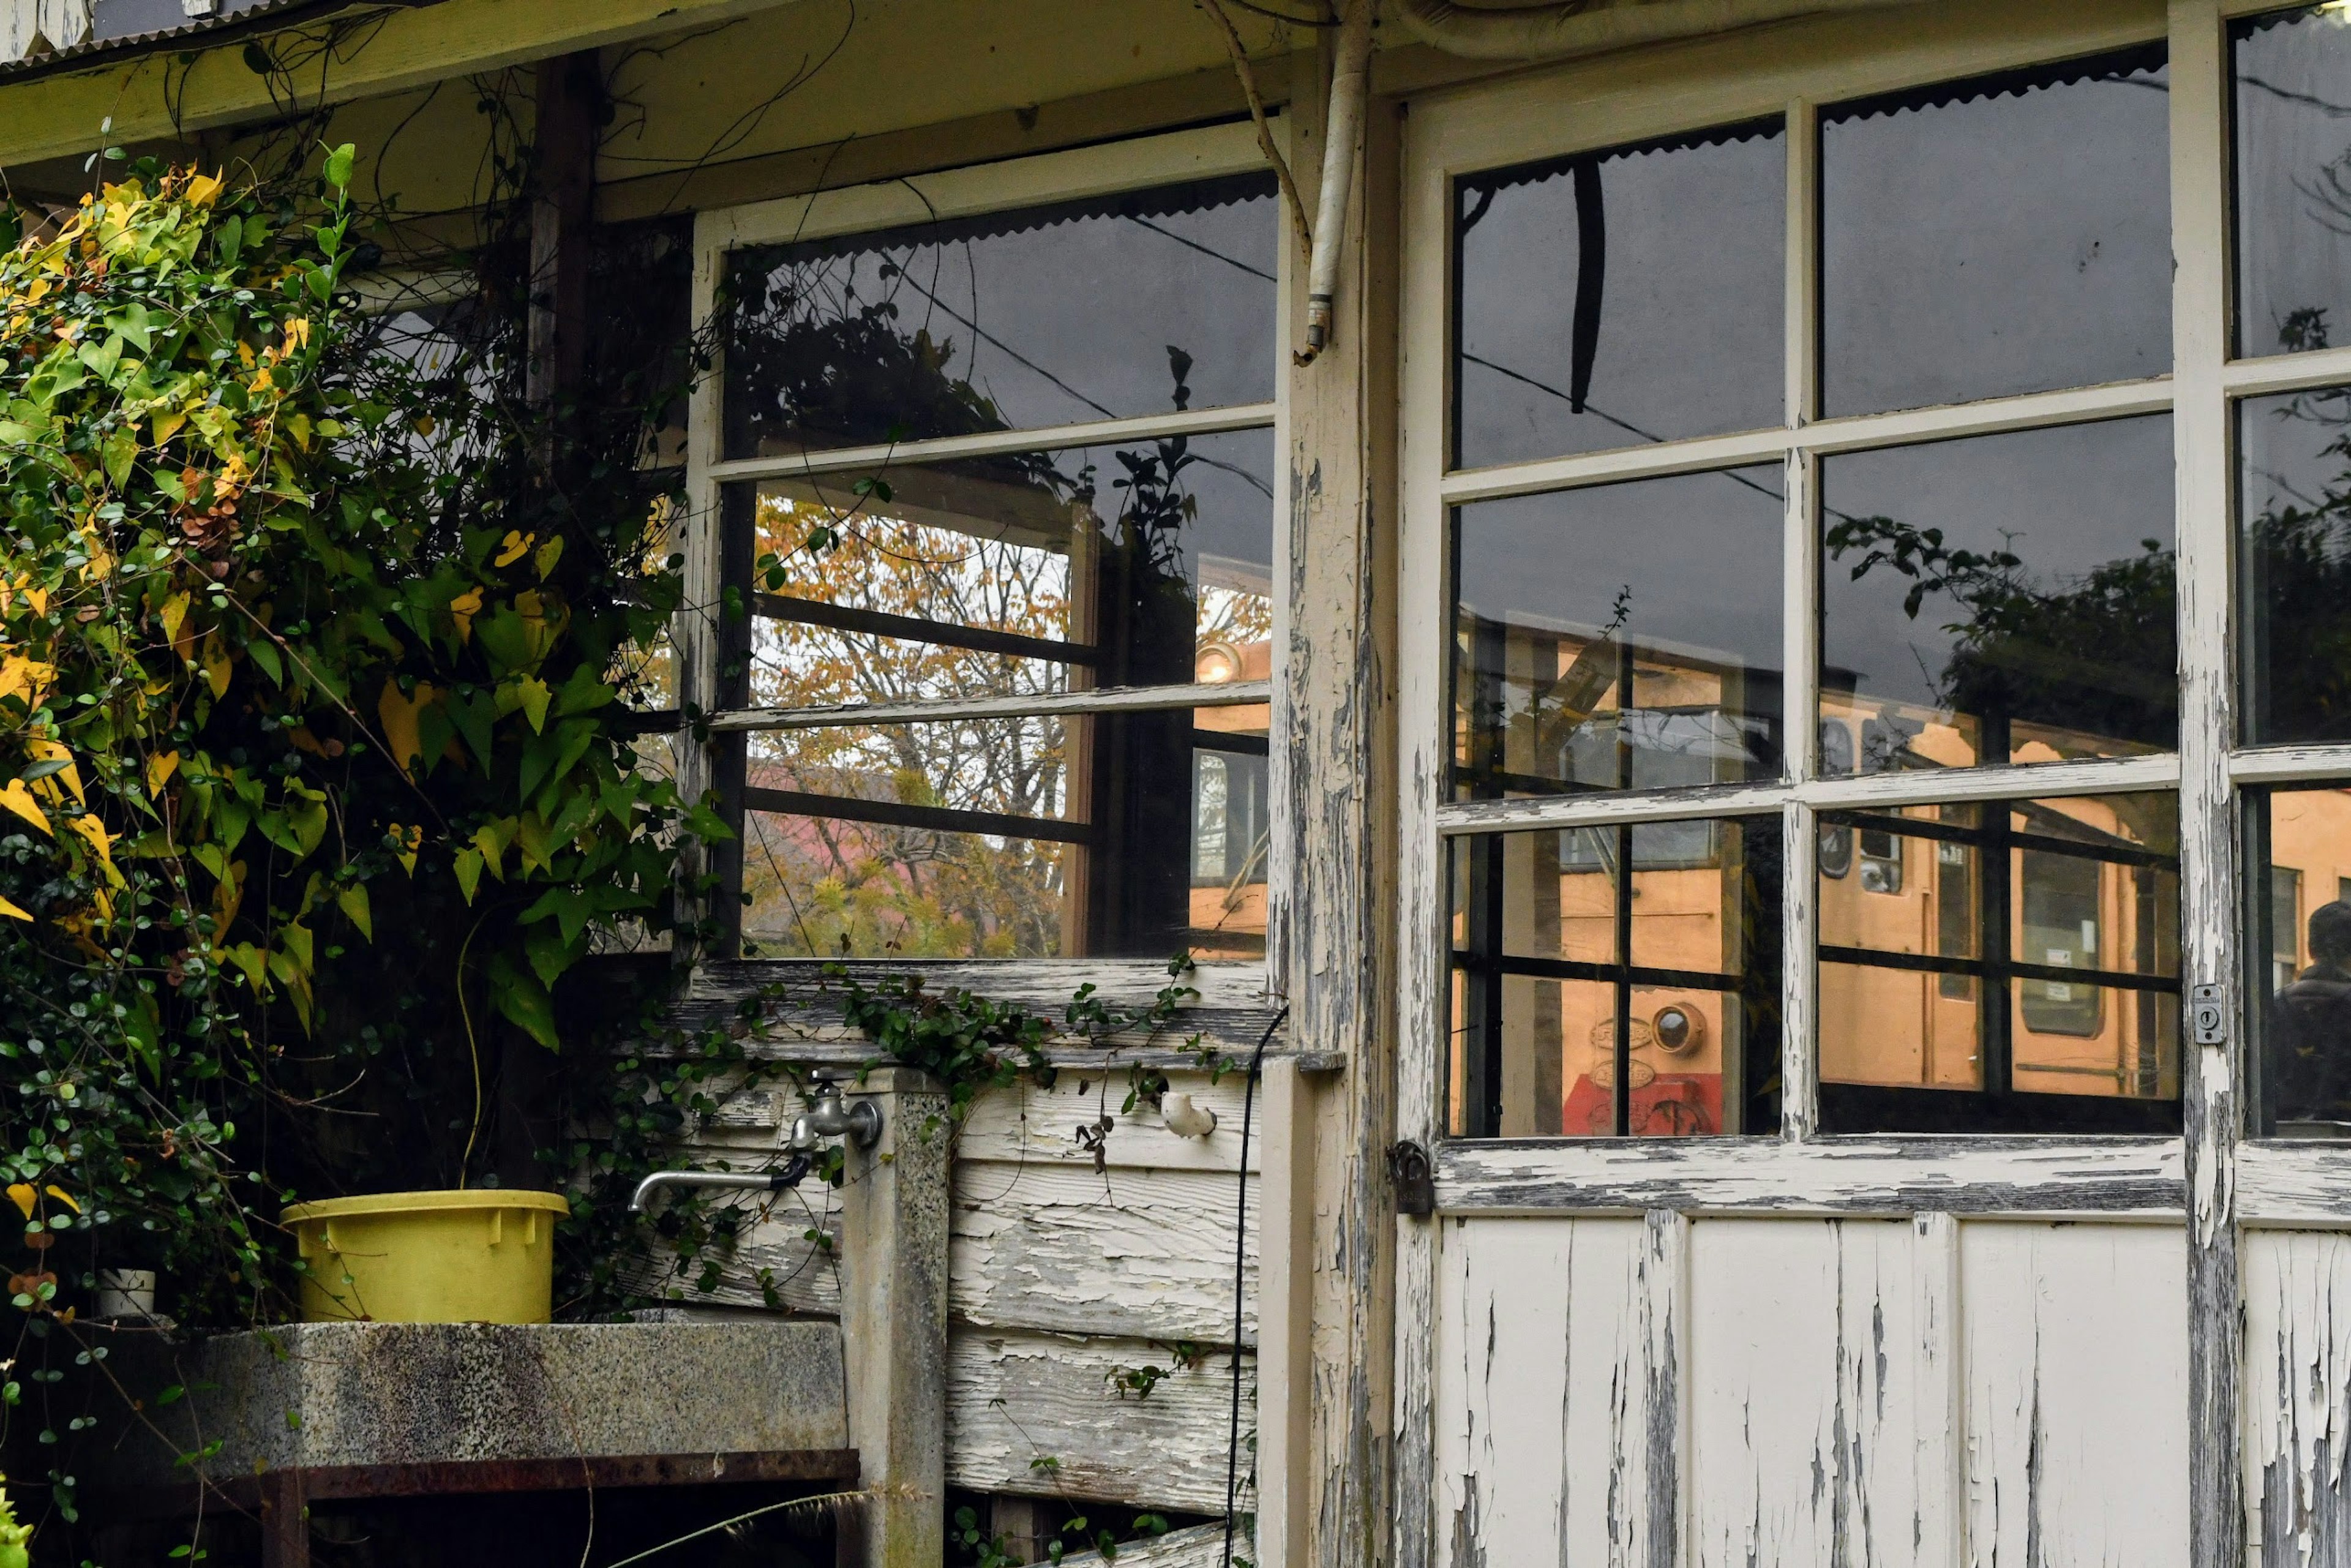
<point x="828" y="1117"/>
<point x="1416" y="1184"/>
<point x="2207" y="1018"/>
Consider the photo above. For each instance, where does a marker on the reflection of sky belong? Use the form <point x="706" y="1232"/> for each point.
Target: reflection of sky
<point x="2284" y="448"/>
<point x="1072" y="321"/>
<point x="1692" y="308"/>
<point x="1699" y="555"/>
<point x="1998" y="244"/>
<point x="2067" y="500"/>
<point x="2294" y="129"/>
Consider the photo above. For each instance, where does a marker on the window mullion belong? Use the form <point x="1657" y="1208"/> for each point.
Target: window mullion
<point x="1800" y="633"/>
<point x="2209" y="877"/>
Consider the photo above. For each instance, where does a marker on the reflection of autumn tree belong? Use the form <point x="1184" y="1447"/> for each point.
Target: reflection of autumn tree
<point x="2093" y="655"/>
<point x="817" y="885"/>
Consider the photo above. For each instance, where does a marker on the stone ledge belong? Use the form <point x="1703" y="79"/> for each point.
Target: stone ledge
<point x="321" y="1396"/>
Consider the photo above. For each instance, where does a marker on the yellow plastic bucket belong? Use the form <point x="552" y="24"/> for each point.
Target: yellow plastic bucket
<point x="477" y="1257"/>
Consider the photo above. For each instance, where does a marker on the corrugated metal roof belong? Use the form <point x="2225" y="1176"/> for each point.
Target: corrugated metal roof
<point x="241" y="18"/>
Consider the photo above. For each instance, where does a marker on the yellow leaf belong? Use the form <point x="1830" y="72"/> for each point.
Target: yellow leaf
<point x="55" y="751"/>
<point x="21" y="1195"/>
<point x="160" y="771"/>
<point x="19" y="800"/>
<point x="408" y="838"/>
<point x="215" y="657"/>
<point x="397" y="711"/>
<point x="227" y="897"/>
<point x="166" y="424"/>
<point x="516" y="545"/>
<point x="463" y="609"/>
<point x="60" y="1194"/>
<point x="202" y="189"/>
<point x="173" y="616"/>
<point x="12" y="911"/>
<point x="549" y="554"/>
<point x="493" y="849"/>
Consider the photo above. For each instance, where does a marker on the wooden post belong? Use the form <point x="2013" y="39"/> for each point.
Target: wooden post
<point x="894" y="1325"/>
<point x="1336" y="954"/>
<point x="563" y="184"/>
<point x="1285" y="1250"/>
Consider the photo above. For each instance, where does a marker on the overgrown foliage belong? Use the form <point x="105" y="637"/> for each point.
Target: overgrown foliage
<point x="316" y="771"/>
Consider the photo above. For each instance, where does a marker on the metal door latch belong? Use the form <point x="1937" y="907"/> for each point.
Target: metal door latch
<point x="1416" y="1184"/>
<point x="2207" y="1018"/>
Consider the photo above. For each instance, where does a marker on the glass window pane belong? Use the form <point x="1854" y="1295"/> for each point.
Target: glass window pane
<point x="2294" y="510"/>
<point x="1145" y="565"/>
<point x="2000" y="599"/>
<point x="2293" y="178"/>
<point x="1131" y="305"/>
<point x="2012" y="966"/>
<point x="1120" y="835"/>
<point x="2301" y="958"/>
<point x="1666" y="589"/>
<point x="1554" y="1034"/>
<point x="2005" y="235"/>
<point x="1622" y="296"/>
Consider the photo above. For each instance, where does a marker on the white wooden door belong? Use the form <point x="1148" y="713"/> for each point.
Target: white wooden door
<point x="1820" y="1342"/>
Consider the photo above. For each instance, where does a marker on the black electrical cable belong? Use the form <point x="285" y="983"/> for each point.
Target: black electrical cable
<point x="1240" y="1268"/>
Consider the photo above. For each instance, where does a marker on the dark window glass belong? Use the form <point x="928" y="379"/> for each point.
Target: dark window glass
<point x="2000" y="599"/>
<point x="1128" y="834"/>
<point x="1622" y="296"/>
<point x="2005" y="235"/>
<point x="2022" y="974"/>
<point x="1133" y="305"/>
<point x="2294" y="509"/>
<point x="1147" y="565"/>
<point x="2292" y="102"/>
<point x="1615" y="982"/>
<point x="1626" y="636"/>
<point x="2300" y="958"/>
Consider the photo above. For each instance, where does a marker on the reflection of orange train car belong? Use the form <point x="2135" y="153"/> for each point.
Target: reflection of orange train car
<point x="2310" y="865"/>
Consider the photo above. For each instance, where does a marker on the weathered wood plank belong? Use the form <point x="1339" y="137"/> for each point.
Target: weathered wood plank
<point x="798" y="1009"/>
<point x="1938" y="1402"/>
<point x="2297" y="1437"/>
<point x="2076" y="1353"/>
<point x="1014" y="1399"/>
<point x="1033" y="1125"/>
<point x="1202" y="1546"/>
<point x="1146" y="1255"/>
<point x="1892" y="1177"/>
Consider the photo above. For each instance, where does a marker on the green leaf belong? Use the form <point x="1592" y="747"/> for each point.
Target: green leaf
<point x="469" y="872"/>
<point x="535" y="697"/>
<point x="121" y="451"/>
<point x="353" y="901"/>
<point x="523" y="998"/>
<point x="551" y="953"/>
<point x="338" y="166"/>
<point x="264" y="654"/>
<point x="475" y="717"/>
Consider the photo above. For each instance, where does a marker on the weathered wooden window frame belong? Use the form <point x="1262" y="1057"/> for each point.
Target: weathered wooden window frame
<point x="1091" y="171"/>
<point x="1792" y="72"/>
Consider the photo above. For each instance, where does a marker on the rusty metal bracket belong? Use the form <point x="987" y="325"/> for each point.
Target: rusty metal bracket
<point x="1415" y="1182"/>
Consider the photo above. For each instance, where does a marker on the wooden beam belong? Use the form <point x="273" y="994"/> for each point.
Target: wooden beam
<point x="1336" y="951"/>
<point x="166" y="94"/>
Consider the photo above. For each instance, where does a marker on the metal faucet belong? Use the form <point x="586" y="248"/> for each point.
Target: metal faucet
<point x="746" y="1181"/>
<point x="830" y="1117"/>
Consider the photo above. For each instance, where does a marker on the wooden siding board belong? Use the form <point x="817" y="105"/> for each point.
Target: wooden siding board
<point x="2297" y="1290"/>
<point x="1016" y="1396"/>
<point x="2076" y="1377"/>
<point x="1047" y="1248"/>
